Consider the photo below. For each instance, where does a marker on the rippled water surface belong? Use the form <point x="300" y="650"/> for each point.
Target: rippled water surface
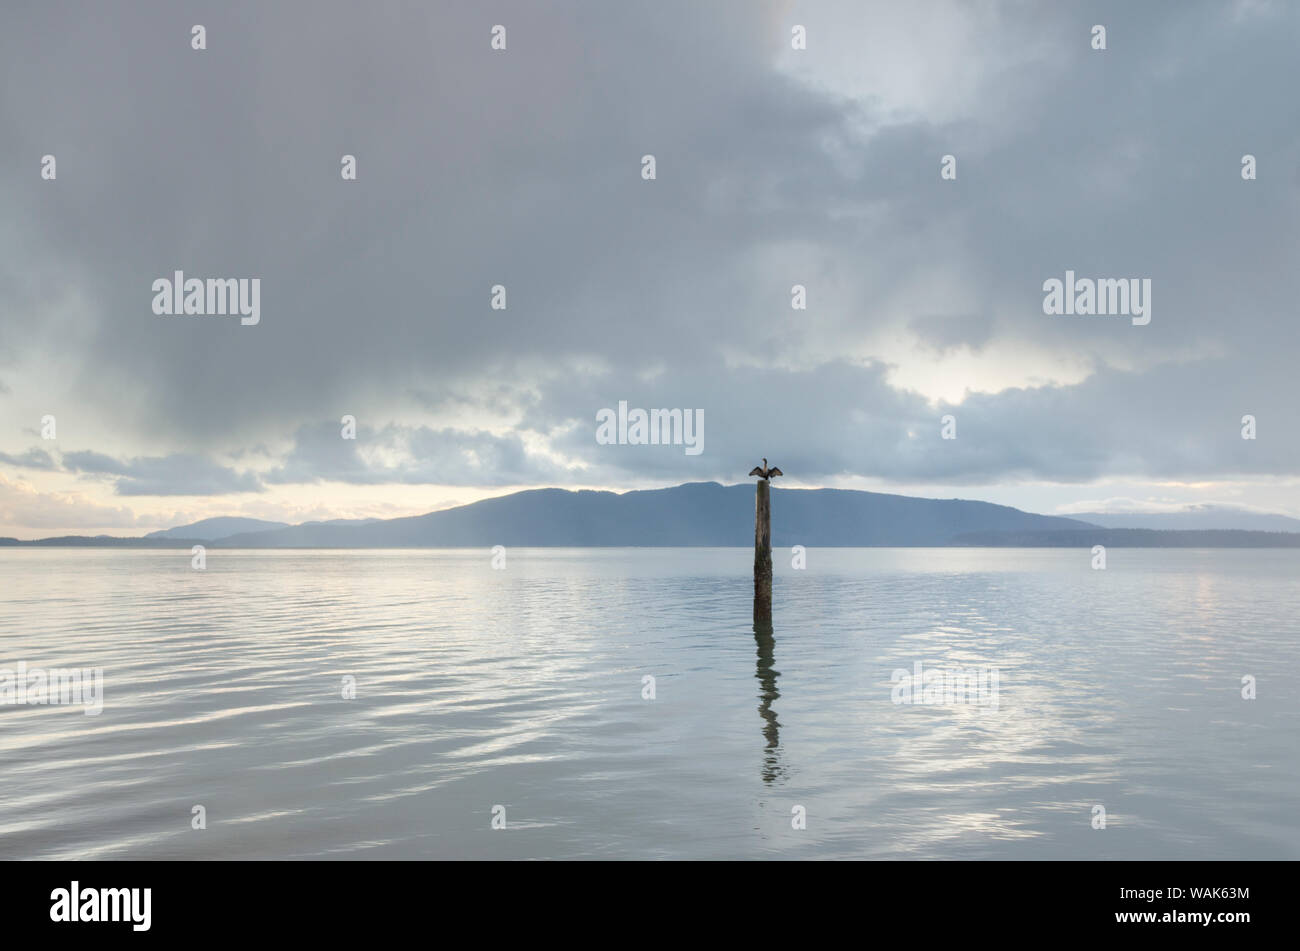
<point x="523" y="688"/>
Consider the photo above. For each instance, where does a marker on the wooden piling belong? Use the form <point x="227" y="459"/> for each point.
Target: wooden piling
<point x="763" y="554"/>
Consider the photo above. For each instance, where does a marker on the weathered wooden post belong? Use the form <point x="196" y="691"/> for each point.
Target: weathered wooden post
<point x="763" y="543"/>
<point x="763" y="554"/>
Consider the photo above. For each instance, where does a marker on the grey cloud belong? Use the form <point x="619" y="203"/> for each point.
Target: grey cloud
<point x="94" y="463"/>
<point x="842" y="419"/>
<point x="176" y="474"/>
<point x="425" y="456"/>
<point x="944" y="333"/>
<point x="523" y="169"/>
<point x="31" y="459"/>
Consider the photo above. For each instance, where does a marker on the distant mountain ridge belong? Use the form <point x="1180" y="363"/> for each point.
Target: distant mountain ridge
<point x="700" y="514"/>
<point x="215" y="529"/>
<point x="1199" y="518"/>
<point x="210" y="529"/>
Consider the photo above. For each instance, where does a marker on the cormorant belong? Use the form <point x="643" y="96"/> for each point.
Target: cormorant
<point x="763" y="472"/>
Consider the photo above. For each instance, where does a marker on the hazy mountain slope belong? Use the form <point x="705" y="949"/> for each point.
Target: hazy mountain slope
<point x="697" y="514"/>
<point x="209" y="529"/>
<point x="1200" y="518"/>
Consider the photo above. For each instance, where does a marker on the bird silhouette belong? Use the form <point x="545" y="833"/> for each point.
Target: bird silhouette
<point x="763" y="472"/>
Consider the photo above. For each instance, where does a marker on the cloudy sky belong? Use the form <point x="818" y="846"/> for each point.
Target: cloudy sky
<point x="523" y="168"/>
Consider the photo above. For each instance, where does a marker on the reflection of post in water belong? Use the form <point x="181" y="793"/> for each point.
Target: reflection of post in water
<point x="767" y="673"/>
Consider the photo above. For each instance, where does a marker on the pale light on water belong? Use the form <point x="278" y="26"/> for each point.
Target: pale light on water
<point x="523" y="687"/>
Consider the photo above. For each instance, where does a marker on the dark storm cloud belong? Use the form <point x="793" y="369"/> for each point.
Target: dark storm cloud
<point x="522" y="168"/>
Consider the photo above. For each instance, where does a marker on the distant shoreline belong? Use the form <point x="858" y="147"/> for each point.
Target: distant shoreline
<point x="1279" y="540"/>
<point x="693" y="515"/>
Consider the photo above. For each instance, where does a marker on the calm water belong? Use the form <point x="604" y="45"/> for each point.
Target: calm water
<point x="523" y="688"/>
